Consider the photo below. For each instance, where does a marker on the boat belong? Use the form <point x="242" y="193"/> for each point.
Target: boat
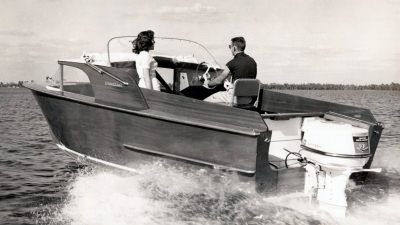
<point x="96" y="110"/>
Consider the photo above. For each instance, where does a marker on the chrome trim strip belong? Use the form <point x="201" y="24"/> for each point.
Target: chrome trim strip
<point x="216" y="166"/>
<point x="101" y="72"/>
<point x="310" y="114"/>
<point x="62" y="147"/>
<point x="335" y="155"/>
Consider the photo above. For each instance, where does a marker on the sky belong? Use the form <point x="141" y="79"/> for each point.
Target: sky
<point x="292" y="41"/>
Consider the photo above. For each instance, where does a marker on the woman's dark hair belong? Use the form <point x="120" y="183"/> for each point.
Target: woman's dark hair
<point x="143" y="42"/>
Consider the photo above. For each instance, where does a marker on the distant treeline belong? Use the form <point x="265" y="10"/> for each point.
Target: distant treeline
<point x="11" y="84"/>
<point x="318" y="86"/>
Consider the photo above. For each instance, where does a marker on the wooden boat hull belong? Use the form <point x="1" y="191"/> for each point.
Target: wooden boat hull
<point x="117" y="136"/>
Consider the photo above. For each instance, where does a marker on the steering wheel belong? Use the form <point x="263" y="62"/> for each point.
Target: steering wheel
<point x="206" y="75"/>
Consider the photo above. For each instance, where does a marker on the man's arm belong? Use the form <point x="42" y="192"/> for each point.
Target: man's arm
<point x="220" y="78"/>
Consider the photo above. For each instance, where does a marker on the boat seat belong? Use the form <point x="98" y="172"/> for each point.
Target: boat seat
<point x="245" y="93"/>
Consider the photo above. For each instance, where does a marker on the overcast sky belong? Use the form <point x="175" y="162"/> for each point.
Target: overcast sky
<point x="293" y="41"/>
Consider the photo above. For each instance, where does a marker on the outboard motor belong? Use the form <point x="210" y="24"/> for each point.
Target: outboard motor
<point x="333" y="150"/>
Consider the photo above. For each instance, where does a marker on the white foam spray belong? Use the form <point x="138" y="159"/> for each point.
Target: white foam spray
<point x="165" y="194"/>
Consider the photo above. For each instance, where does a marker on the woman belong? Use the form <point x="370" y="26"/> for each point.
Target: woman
<point x="145" y="64"/>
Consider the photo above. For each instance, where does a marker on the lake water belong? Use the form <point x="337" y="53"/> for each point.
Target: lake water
<point x="40" y="184"/>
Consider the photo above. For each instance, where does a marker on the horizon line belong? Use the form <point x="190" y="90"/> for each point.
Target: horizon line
<point x="308" y="83"/>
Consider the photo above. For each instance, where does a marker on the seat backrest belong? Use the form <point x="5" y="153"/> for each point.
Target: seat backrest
<point x="245" y="92"/>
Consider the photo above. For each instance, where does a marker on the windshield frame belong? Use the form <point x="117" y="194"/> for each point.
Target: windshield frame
<point x="164" y="38"/>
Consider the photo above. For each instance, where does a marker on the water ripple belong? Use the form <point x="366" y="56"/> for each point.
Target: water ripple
<point x="41" y="185"/>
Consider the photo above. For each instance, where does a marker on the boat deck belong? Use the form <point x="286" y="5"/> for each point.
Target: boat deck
<point x="180" y="109"/>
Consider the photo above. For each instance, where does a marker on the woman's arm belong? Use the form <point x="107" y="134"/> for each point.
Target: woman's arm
<point x="147" y="79"/>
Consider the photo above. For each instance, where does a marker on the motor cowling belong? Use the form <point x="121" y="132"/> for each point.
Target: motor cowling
<point x="332" y="143"/>
<point x="333" y="150"/>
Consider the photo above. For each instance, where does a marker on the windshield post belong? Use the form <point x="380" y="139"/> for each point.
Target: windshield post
<point x="62" y="77"/>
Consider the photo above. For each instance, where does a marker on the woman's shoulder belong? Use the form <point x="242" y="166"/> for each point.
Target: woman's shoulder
<point x="144" y="54"/>
<point x="144" y="59"/>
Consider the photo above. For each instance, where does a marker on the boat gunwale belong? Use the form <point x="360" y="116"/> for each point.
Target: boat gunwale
<point x="144" y="113"/>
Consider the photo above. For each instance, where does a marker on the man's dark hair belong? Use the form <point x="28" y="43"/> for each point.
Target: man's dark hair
<point x="239" y="42"/>
<point x="143" y="42"/>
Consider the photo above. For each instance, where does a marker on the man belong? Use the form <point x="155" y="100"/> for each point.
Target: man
<point x="241" y="66"/>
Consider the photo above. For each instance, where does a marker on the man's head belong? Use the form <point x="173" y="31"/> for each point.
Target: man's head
<point x="238" y="44"/>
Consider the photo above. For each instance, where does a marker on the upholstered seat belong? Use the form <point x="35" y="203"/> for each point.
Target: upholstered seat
<point x="245" y="93"/>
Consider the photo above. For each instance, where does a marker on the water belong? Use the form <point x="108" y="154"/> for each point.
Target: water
<point x="39" y="184"/>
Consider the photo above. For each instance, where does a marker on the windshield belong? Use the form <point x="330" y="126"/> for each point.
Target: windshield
<point x="180" y="49"/>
